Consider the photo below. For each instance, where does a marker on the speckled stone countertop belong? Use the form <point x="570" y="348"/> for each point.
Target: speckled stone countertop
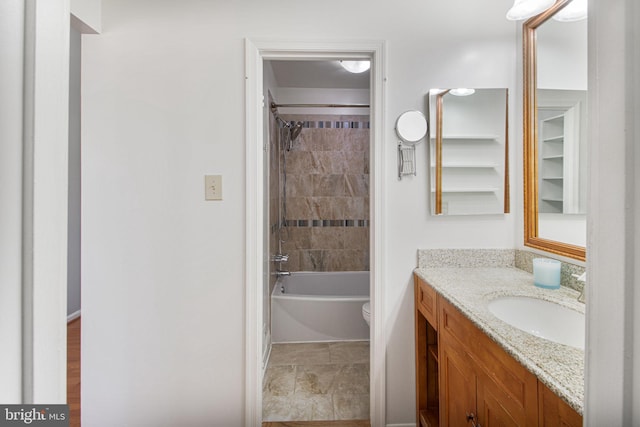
<point x="559" y="367"/>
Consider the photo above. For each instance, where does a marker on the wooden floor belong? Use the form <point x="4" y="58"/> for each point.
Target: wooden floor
<point x="350" y="423"/>
<point x="73" y="372"/>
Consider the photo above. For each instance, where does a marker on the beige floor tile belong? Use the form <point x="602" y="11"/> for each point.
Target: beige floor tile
<point x="300" y="354"/>
<point x="349" y="352"/>
<point x="279" y="380"/>
<point x="317" y="382"/>
<point x="351" y="406"/>
<point x="315" y="379"/>
<point x="352" y="379"/>
<point x="298" y="407"/>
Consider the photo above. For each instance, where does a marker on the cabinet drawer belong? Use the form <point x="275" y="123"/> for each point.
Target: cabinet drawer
<point x="426" y="300"/>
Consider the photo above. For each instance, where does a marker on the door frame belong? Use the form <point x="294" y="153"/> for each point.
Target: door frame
<point x="256" y="52"/>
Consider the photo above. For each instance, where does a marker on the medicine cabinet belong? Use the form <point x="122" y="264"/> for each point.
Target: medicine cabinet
<point x="469" y="151"/>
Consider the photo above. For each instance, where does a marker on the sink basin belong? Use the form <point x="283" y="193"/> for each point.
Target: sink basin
<point x="541" y="318"/>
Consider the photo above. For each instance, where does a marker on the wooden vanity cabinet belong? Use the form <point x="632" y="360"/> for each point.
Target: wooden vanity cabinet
<point x="554" y="411"/>
<point x="466" y="379"/>
<point x="494" y="388"/>
<point x="426" y="327"/>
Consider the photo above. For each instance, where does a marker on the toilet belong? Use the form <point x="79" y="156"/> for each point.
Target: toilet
<point x="366" y="312"/>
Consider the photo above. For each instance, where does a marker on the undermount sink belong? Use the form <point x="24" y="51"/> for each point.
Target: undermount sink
<point x="541" y="318"/>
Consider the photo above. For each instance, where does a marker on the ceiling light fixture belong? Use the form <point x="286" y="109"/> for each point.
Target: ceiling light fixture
<point x="462" y="91"/>
<point x="523" y="9"/>
<point x="574" y="11"/>
<point x="356" y="67"/>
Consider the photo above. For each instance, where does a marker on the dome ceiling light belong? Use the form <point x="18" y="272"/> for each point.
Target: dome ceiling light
<point x="356" y="67"/>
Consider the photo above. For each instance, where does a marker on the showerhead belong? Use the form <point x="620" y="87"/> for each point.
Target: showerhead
<point x="295" y="130"/>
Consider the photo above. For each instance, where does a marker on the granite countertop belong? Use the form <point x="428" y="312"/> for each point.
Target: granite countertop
<point x="559" y="367"/>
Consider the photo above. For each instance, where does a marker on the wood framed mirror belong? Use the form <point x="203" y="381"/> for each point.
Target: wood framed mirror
<point x="565" y="208"/>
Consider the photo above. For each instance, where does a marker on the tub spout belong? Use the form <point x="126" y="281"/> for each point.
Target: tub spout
<point x="282" y="273"/>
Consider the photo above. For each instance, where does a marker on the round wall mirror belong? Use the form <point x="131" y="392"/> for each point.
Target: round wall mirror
<point x="411" y="127"/>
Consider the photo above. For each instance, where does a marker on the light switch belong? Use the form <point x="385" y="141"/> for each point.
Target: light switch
<point x="213" y="187"/>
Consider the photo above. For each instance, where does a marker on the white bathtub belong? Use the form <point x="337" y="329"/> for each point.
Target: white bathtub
<point x="320" y="306"/>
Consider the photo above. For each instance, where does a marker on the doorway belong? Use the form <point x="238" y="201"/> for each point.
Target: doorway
<point x="316" y="284"/>
<point x="257" y="254"/>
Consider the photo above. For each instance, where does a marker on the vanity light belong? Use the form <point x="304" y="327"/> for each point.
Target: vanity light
<point x="523" y="9"/>
<point x="462" y="91"/>
<point x="356" y="66"/>
<point x="574" y="11"/>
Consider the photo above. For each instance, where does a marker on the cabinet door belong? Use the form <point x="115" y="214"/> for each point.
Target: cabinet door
<point x="554" y="412"/>
<point x="457" y="387"/>
<point x="496" y="408"/>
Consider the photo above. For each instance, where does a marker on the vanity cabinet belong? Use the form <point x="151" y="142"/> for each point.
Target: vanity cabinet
<point x="465" y="379"/>
<point x="481" y="383"/>
<point x="554" y="411"/>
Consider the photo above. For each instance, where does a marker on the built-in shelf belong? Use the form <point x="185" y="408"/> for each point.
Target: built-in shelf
<point x="470" y="190"/>
<point x="552" y="139"/>
<point x="474" y="137"/>
<point x="429" y="417"/>
<point x="433" y="350"/>
<point x="468" y="165"/>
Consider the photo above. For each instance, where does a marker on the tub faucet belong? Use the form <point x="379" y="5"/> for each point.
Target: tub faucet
<point x="280" y="258"/>
<point x="582" y="278"/>
<point x="282" y="273"/>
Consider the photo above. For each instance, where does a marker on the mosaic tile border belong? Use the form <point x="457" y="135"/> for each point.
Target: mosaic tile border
<point x="327" y="223"/>
<point x="327" y="124"/>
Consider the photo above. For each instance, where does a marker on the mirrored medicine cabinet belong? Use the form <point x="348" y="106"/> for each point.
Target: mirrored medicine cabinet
<point x="555" y="133"/>
<point x="469" y="151"/>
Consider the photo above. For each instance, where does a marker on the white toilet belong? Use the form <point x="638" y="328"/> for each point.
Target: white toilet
<point x="366" y="312"/>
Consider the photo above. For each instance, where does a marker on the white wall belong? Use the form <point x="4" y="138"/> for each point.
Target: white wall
<point x="86" y="14"/>
<point x="162" y="270"/>
<point x="613" y="246"/>
<point x="11" y="52"/>
<point x="562" y="55"/>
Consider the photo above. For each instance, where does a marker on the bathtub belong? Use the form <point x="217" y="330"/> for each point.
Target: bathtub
<point x="320" y="306"/>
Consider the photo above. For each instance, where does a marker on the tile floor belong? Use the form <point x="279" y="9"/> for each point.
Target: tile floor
<point x="317" y="381"/>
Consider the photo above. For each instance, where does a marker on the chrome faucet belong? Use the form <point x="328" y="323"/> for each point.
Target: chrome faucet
<point x="280" y="258"/>
<point x="282" y="273"/>
<point x="582" y="278"/>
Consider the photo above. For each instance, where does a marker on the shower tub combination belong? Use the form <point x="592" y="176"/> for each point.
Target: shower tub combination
<point x="313" y="306"/>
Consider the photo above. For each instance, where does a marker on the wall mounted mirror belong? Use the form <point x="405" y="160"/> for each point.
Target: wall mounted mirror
<point x="411" y="127"/>
<point x="469" y="151"/>
<point x="555" y="136"/>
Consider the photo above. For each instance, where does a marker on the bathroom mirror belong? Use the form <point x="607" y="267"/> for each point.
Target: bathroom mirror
<point x="555" y="95"/>
<point x="469" y="151"/>
<point x="411" y="127"/>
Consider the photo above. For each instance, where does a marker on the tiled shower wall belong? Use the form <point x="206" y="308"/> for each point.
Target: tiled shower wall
<point x="327" y="194"/>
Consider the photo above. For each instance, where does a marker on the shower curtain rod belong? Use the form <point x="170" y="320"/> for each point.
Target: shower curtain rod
<point x="274" y="105"/>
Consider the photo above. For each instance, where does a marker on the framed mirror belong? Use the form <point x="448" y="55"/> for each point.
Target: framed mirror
<point x="555" y="132"/>
<point x="469" y="151"/>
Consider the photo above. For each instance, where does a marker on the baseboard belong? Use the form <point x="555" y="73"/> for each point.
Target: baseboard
<point x="401" y="425"/>
<point x="73" y="316"/>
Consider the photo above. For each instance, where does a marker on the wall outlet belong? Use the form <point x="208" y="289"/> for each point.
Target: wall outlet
<point x="213" y="187"/>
